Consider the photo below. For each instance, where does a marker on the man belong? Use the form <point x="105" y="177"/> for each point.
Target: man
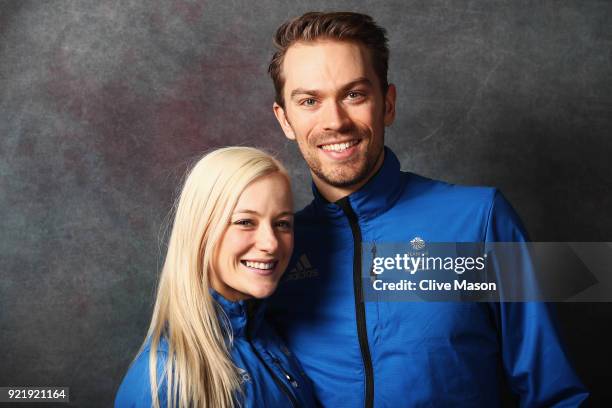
<point x="333" y="99"/>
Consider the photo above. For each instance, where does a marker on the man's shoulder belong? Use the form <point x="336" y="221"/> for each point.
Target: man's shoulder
<point x="422" y="189"/>
<point x="484" y="206"/>
<point x="306" y="212"/>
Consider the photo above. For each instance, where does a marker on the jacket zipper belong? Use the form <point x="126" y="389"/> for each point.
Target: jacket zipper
<point x="359" y="304"/>
<point x="277" y="381"/>
<point x="286" y="374"/>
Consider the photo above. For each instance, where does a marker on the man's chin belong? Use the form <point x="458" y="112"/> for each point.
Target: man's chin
<point x="343" y="180"/>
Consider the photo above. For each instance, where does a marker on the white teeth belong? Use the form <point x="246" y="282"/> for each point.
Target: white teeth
<point x="259" y="265"/>
<point x="339" y="147"/>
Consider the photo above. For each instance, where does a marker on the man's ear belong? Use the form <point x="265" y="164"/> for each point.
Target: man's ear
<point x="390" y="105"/>
<point x="279" y="112"/>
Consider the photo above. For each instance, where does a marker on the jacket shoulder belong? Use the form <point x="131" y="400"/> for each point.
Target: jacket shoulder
<point x="417" y="185"/>
<point x="135" y="389"/>
<point x="306" y="214"/>
<point x="465" y="205"/>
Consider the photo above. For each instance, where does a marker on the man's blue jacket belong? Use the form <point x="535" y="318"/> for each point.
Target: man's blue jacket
<point x="269" y="373"/>
<point x="413" y="354"/>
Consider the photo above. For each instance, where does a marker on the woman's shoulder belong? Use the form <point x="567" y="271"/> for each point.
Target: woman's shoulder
<point x="135" y="389"/>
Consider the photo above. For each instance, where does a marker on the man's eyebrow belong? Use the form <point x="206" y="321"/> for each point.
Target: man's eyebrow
<point x="245" y="211"/>
<point x="314" y="92"/>
<point x="357" y="82"/>
<point x="302" y="91"/>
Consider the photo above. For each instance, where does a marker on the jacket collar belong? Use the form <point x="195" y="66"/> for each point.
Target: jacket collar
<point x="244" y="316"/>
<point x="374" y="198"/>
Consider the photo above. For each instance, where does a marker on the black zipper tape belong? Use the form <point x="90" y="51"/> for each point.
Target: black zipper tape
<point x="359" y="304"/>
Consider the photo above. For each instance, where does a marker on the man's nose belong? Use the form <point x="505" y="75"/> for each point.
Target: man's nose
<point x="266" y="239"/>
<point x="335" y="116"/>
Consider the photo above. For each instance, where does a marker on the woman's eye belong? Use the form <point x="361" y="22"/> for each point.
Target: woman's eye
<point x="284" y="225"/>
<point x="244" y="223"/>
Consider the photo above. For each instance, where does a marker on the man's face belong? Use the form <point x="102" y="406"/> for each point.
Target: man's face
<point x="335" y="110"/>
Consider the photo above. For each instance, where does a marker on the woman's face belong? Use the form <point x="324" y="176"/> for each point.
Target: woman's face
<point x="255" y="248"/>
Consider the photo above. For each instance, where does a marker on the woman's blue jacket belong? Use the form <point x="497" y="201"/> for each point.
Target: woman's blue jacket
<point x="270" y="374"/>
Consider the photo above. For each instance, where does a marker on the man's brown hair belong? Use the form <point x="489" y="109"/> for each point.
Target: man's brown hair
<point x="341" y="26"/>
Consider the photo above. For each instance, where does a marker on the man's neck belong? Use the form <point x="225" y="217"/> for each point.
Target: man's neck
<point x="333" y="193"/>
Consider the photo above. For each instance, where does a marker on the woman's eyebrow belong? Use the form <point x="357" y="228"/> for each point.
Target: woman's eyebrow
<point x="245" y="211"/>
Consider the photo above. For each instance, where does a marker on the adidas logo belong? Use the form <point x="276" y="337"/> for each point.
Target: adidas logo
<point x="302" y="270"/>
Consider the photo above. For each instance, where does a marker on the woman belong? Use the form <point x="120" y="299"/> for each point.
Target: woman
<point x="208" y="345"/>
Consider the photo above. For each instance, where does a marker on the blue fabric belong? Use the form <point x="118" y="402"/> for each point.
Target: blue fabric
<point x="256" y="350"/>
<point x="423" y="354"/>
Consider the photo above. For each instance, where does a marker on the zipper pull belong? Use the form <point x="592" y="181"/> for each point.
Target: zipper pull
<point x="288" y="376"/>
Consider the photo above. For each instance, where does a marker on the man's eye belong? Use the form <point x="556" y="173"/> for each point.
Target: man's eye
<point x="355" y="95"/>
<point x="309" y="102"/>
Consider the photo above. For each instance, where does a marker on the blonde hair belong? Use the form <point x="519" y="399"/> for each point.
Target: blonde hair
<point x="199" y="370"/>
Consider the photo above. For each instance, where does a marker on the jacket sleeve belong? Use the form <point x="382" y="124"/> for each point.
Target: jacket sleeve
<point x="534" y="360"/>
<point x="135" y="389"/>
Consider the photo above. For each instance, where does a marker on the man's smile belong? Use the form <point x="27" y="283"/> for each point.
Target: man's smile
<point x="339" y="146"/>
<point x="340" y="150"/>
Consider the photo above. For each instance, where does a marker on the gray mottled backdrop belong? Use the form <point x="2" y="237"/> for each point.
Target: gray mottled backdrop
<point x="104" y="103"/>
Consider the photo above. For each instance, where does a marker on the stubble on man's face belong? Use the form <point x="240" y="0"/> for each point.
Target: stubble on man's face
<point x="335" y="111"/>
<point x="348" y="172"/>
